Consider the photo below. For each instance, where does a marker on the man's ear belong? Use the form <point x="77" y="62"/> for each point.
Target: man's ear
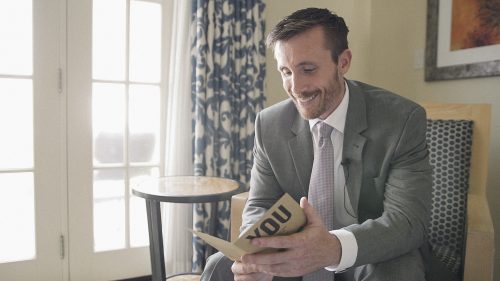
<point x="344" y="61"/>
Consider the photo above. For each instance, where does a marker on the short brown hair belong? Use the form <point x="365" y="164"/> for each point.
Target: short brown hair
<point x="305" y="19"/>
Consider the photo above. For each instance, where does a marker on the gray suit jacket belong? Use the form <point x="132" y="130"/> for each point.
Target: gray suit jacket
<point x="388" y="175"/>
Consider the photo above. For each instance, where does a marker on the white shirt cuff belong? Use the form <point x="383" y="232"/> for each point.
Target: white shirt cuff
<point x="349" y="247"/>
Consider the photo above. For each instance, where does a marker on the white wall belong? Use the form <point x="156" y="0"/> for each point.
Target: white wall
<point x="384" y="35"/>
<point x="398" y="28"/>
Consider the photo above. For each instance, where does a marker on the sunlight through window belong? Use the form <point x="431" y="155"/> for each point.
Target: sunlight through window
<point x="17" y="189"/>
<point x="126" y="98"/>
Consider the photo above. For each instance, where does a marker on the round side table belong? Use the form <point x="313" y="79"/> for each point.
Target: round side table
<point x="178" y="189"/>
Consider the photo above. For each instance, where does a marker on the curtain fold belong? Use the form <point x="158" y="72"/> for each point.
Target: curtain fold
<point x="227" y="84"/>
<point x="177" y="218"/>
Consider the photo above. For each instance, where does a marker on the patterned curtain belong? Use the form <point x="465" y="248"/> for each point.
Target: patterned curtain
<point x="228" y="62"/>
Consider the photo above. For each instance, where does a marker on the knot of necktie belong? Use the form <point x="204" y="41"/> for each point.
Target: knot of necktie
<point x="324" y="131"/>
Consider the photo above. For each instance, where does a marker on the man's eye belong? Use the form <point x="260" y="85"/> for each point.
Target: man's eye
<point x="309" y="70"/>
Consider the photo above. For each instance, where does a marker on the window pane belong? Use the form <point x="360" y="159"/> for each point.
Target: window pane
<point x="109" y="210"/>
<point x="16" y="35"/>
<point x="16" y="123"/>
<point x="17" y="217"/>
<point x="108" y="39"/>
<point x="145" y="41"/>
<point x="108" y="122"/>
<point x="144" y="123"/>
<point x="138" y="216"/>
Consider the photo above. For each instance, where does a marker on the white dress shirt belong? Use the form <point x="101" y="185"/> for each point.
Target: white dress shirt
<point x="343" y="212"/>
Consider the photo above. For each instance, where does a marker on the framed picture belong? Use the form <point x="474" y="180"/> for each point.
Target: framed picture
<point x="463" y="39"/>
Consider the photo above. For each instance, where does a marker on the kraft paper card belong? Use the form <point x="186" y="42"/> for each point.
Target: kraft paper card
<point x="283" y="218"/>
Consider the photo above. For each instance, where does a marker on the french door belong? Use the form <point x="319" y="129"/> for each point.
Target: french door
<point x="82" y="89"/>
<point x="32" y="143"/>
<point x="115" y="131"/>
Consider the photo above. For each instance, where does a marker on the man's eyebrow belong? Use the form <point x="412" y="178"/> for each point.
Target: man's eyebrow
<point x="301" y="64"/>
<point x="306" y="63"/>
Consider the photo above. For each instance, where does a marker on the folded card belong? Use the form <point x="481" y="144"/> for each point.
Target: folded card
<point x="283" y="218"/>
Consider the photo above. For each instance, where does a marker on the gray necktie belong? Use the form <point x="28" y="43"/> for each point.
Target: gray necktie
<point x="321" y="188"/>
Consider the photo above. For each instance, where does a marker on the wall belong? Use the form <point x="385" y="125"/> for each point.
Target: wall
<point x="385" y="35"/>
<point x="398" y="29"/>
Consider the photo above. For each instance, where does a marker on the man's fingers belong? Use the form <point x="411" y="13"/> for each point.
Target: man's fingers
<point x="242" y="268"/>
<point x="279" y="242"/>
<point x="259" y="276"/>
<point x="283" y="269"/>
<point x="297" y="253"/>
<point x="249" y="272"/>
<point x="311" y="215"/>
<point x="292" y="240"/>
<point x="270" y="258"/>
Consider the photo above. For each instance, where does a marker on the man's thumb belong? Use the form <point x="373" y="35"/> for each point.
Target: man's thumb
<point x="311" y="215"/>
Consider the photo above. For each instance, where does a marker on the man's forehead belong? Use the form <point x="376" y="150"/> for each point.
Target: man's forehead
<point x="300" y="53"/>
<point x="311" y="38"/>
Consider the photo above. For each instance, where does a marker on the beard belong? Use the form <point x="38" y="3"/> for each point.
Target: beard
<point x="325" y="102"/>
<point x="310" y="113"/>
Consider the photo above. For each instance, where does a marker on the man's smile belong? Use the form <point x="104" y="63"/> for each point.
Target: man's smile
<point x="306" y="99"/>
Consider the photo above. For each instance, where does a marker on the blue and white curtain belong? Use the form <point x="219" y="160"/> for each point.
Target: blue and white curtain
<point x="228" y="70"/>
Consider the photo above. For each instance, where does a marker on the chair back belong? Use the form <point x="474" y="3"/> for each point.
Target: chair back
<point x="458" y="136"/>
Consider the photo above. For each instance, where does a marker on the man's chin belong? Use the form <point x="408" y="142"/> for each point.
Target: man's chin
<point x="308" y="115"/>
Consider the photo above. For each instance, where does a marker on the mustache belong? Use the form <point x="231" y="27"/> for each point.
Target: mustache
<point x="306" y="94"/>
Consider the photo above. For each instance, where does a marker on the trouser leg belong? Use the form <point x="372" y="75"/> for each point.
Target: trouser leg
<point x="218" y="268"/>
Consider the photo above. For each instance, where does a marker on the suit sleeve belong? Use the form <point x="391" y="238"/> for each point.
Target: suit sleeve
<point x="402" y="227"/>
<point x="264" y="188"/>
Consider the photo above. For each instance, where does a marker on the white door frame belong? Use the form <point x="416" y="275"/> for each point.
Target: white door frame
<point x="84" y="263"/>
<point x="49" y="103"/>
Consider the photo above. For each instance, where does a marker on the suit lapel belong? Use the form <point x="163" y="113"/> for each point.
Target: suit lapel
<point x="354" y="142"/>
<point x="301" y="149"/>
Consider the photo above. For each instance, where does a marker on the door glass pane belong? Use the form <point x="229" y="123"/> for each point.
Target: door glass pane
<point x="108" y="122"/>
<point x="145" y="41"/>
<point x="16" y="35"/>
<point x="126" y="115"/>
<point x="17" y="191"/>
<point x="17" y="238"/>
<point x="109" y="209"/>
<point x="144" y="123"/>
<point x="16" y="123"/>
<point x="108" y="39"/>
<point x="138" y="217"/>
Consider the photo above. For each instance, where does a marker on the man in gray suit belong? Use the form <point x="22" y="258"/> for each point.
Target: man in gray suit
<point x="382" y="176"/>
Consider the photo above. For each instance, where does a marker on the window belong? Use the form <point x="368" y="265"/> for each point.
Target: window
<point x="126" y="114"/>
<point x="17" y="238"/>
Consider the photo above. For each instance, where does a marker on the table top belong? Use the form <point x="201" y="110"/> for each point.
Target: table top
<point x="187" y="189"/>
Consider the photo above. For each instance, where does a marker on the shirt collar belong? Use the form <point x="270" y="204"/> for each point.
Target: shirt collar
<point x="337" y="118"/>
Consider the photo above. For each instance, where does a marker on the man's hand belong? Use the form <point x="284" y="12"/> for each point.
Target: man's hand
<point x="300" y="253"/>
<point x="245" y="272"/>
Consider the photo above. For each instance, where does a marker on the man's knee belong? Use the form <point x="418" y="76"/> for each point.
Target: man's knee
<point x="218" y="268"/>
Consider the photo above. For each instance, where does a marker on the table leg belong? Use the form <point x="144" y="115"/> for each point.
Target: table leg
<point x="212" y="223"/>
<point x="155" y="240"/>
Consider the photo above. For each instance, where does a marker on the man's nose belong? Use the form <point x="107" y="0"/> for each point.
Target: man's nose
<point x="298" y="83"/>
